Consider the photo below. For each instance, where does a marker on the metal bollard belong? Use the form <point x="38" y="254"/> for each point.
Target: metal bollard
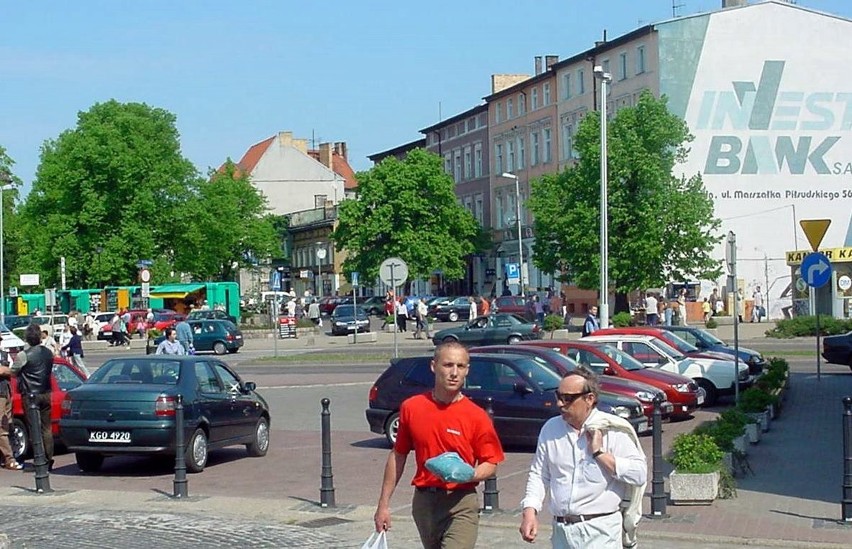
<point x="658" y="490"/>
<point x="490" y="495"/>
<point x="846" y="502"/>
<point x="181" y="486"/>
<point x="326" y="477"/>
<point x="42" y="472"/>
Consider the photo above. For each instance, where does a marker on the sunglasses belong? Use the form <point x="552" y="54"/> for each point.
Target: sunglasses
<point x="569" y="398"/>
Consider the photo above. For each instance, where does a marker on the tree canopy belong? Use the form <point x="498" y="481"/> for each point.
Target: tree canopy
<point x="11" y="227"/>
<point x="406" y="209"/>
<point x="661" y="227"/>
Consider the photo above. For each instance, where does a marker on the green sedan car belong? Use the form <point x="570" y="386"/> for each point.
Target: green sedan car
<point x="219" y="336"/>
<point x="491" y="329"/>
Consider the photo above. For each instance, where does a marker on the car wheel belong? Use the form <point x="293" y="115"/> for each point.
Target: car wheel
<point x="19" y="439"/>
<point x="448" y="339"/>
<point x="514" y="340"/>
<point x="89" y="462"/>
<point x="260" y="444"/>
<point x="710" y="392"/>
<point x="219" y="348"/>
<point x="392" y="427"/>
<point x="196" y="452"/>
<point x="454" y="316"/>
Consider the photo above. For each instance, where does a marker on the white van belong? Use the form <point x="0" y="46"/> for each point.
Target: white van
<point x="11" y="343"/>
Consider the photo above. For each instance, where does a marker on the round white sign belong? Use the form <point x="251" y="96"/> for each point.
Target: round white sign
<point x="145" y="275"/>
<point x="844" y="283"/>
<point x="393" y="271"/>
<point x="801" y="285"/>
<point x="321" y="253"/>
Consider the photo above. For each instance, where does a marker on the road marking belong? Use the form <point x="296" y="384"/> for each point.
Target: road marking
<point x="317" y="385"/>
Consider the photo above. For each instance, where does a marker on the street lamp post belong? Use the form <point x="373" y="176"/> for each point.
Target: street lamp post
<point x="518" y="219"/>
<point x="320" y="256"/>
<point x="605" y="79"/>
<point x="5" y="185"/>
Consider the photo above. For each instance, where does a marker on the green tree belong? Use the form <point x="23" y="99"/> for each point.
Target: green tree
<point x="11" y="224"/>
<point x="107" y="193"/>
<point x="406" y="209"/>
<point x="228" y="225"/>
<point x="661" y="227"/>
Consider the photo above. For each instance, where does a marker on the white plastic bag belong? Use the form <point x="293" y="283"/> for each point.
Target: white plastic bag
<point x="377" y="540"/>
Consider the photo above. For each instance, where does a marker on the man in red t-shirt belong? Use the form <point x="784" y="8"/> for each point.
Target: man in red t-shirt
<point x="446" y="513"/>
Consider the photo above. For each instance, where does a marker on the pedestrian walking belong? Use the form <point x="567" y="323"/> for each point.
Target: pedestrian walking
<point x="591" y="324"/>
<point x="473" y="312"/>
<point x="422" y="312"/>
<point x="33" y="367"/>
<point x="740" y="304"/>
<point x="314" y="313"/>
<point x="706" y="309"/>
<point x="170" y="345"/>
<point x="538" y="308"/>
<point x="74" y="350"/>
<point x="7" y="456"/>
<point x="681" y="307"/>
<point x="401" y="314"/>
<point x="757" y="311"/>
<point x="651" y="317"/>
<point x="183" y="334"/>
<point x="445" y="512"/>
<point x="588" y="461"/>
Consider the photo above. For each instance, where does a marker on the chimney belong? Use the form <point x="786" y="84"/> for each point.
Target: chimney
<point x="600" y="43"/>
<point x="325" y="155"/>
<point x="537" y="65"/>
<point x="301" y="144"/>
<point x="549" y="61"/>
<point x="285" y="139"/>
<point x="340" y="149"/>
<point x="500" y="82"/>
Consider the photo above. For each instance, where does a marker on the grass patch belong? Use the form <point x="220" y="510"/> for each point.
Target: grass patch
<point x="789" y="352"/>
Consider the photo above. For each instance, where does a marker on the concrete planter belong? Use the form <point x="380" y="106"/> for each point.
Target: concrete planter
<point x="390" y="328"/>
<point x="753" y="432"/>
<point x="728" y="462"/>
<point x="762" y="419"/>
<point x="693" y="488"/>
<point x="302" y="332"/>
<point x="771" y="411"/>
<point x="741" y="444"/>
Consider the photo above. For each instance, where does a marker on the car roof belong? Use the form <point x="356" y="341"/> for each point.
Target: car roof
<point x="617" y="337"/>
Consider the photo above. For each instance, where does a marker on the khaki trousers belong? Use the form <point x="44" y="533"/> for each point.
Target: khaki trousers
<point x="446" y="520"/>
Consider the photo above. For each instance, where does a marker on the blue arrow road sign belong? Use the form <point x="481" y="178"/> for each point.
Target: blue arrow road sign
<point x="816" y="270"/>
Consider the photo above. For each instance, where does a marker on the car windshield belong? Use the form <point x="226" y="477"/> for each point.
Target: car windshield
<point x="556" y="359"/>
<point x="681" y="344"/>
<point x="3" y="328"/>
<point x="163" y="316"/>
<point x="347" y="310"/>
<point x="623" y="359"/>
<point x="541" y="376"/>
<point x="137" y="371"/>
<point x="708" y="338"/>
<point x="667" y="349"/>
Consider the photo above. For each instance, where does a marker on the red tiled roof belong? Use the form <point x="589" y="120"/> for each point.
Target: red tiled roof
<point x="341" y="167"/>
<point x="253" y="155"/>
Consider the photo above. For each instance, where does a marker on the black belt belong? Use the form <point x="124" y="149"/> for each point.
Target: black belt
<point x="574" y="519"/>
<point x="439" y="490"/>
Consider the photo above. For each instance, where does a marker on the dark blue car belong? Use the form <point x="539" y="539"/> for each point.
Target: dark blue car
<point x="705" y="341"/>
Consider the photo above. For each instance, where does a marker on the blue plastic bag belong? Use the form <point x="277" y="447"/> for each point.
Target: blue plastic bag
<point x="450" y="467"/>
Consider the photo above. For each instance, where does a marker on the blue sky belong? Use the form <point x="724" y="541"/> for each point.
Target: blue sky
<point x="368" y="72"/>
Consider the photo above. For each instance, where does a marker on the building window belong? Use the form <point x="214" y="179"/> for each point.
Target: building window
<point x="534" y="99"/>
<point x="622" y="66"/>
<point x="581" y="82"/>
<point x="477" y="212"/>
<point x="605" y="65"/>
<point x="498" y="201"/>
<point x="477" y="160"/>
<point x="521" y="152"/>
<point x="468" y="164"/>
<point x="566" y="86"/>
<point x="522" y="104"/>
<point x="534" y="154"/>
<point x="547" y="154"/>
<point x="457" y="171"/>
<point x="498" y="158"/>
<point x="510" y="156"/>
<point x="640" y="59"/>
<point x="546" y="93"/>
<point x="448" y="163"/>
<point x="567" y="141"/>
<point x="510" y="109"/>
<point x="498" y="115"/>
<point x="319" y="200"/>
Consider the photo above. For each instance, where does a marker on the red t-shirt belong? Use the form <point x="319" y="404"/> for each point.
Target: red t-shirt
<point x="431" y="428"/>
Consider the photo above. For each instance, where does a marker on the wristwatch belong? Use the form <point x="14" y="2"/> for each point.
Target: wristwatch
<point x="596" y="454"/>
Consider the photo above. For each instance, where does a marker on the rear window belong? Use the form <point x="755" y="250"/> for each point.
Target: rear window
<point x="137" y="371"/>
<point x="419" y="372"/>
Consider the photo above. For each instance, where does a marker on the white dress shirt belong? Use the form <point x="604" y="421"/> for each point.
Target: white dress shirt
<point x="576" y="484"/>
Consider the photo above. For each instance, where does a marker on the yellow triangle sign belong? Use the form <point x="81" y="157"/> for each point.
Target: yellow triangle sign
<point x="815" y="230"/>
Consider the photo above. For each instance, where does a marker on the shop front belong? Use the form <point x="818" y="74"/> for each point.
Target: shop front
<point x="835" y="298"/>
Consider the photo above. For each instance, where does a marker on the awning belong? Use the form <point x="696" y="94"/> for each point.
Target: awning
<point x="175" y="291"/>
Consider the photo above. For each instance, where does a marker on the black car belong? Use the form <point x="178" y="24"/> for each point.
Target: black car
<point x="219" y="336"/>
<point x="347" y="319"/>
<point x="454" y="310"/>
<point x="838" y="349"/>
<point x="128" y="407"/>
<point x="521" y="389"/>
<point x="705" y="341"/>
<point x="210" y="314"/>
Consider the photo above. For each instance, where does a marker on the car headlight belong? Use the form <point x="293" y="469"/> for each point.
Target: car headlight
<point x="645" y="396"/>
<point x="621" y="411"/>
<point x="753" y="359"/>
<point x="683" y="388"/>
<point x="743" y="375"/>
<point x="340" y="324"/>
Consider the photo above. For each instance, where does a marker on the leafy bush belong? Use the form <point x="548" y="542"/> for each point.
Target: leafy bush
<point x="753" y="400"/>
<point x="305" y="322"/>
<point x="553" y="323"/>
<point x="778" y="363"/>
<point x="722" y="432"/>
<point x="154" y="333"/>
<point x="695" y="453"/>
<point x="711" y="323"/>
<point x="622" y="320"/>
<point x="803" y="326"/>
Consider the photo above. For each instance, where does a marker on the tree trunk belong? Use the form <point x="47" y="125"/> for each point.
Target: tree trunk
<point x="622" y="303"/>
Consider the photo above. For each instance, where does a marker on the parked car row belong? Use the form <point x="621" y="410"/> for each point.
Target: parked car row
<point x="219" y="336"/>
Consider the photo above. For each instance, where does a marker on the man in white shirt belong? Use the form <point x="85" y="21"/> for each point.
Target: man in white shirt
<point x="586" y="472"/>
<point x="651" y="317"/>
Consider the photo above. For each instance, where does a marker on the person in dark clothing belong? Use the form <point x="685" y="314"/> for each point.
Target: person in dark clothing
<point x="7" y="456"/>
<point x="33" y="367"/>
<point x="74" y="350"/>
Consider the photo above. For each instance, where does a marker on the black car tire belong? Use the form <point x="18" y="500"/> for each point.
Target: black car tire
<point x="89" y="462"/>
<point x="260" y="445"/>
<point x="453" y="316"/>
<point x="219" y="348"/>
<point x="514" y="339"/>
<point x="392" y="427"/>
<point x="19" y="439"/>
<point x="710" y="392"/>
<point x="196" y="451"/>
<point x="232" y="351"/>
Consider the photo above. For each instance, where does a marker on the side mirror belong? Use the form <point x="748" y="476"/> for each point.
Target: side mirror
<point x="609" y="371"/>
<point x="249" y="386"/>
<point x="662" y="361"/>
<point x="522" y="388"/>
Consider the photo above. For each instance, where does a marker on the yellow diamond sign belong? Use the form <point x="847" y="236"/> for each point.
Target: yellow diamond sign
<point x="815" y="230"/>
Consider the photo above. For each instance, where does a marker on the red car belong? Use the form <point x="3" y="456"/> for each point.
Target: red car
<point x="166" y="319"/>
<point x="65" y="377"/>
<point x="510" y="304"/>
<point x="681" y="391"/>
<point x="561" y="364"/>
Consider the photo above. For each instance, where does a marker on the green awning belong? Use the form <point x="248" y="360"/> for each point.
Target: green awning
<point x="175" y="291"/>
